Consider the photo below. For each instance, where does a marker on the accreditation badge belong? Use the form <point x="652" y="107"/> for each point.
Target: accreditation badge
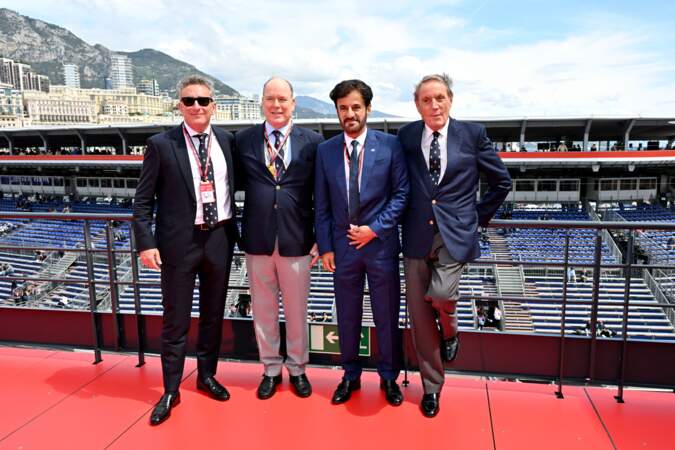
<point x="207" y="192"/>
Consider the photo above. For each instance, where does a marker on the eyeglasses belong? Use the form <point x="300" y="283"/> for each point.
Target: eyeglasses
<point x="203" y="101"/>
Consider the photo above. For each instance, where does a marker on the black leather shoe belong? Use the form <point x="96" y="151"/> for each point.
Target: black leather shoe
<point x="449" y="348"/>
<point x="215" y="390"/>
<point x="162" y="409"/>
<point x="344" y="390"/>
<point x="430" y="405"/>
<point x="392" y="392"/>
<point x="268" y="386"/>
<point x="301" y="385"/>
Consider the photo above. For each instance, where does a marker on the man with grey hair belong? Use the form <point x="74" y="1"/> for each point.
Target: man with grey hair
<point x="440" y="227"/>
<point x="188" y="177"/>
<point x="276" y="160"/>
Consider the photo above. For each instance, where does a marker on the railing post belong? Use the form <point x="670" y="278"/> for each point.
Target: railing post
<point x="140" y="318"/>
<point x="597" y="263"/>
<point x="563" y="320"/>
<point x="95" y="319"/>
<point x="624" y="326"/>
<point x="118" y="322"/>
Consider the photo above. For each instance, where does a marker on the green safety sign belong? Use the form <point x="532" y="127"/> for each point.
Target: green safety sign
<point x="325" y="339"/>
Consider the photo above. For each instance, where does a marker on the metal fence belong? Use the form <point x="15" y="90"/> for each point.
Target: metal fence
<point x="122" y="271"/>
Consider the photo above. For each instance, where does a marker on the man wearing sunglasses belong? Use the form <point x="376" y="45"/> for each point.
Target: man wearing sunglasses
<point x="277" y="167"/>
<point x="188" y="176"/>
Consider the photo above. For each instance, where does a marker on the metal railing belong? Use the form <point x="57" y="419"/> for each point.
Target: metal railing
<point x="113" y="283"/>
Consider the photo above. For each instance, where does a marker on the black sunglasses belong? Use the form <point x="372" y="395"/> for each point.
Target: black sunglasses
<point x="203" y="101"/>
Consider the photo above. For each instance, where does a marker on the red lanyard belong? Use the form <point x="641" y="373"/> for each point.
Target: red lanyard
<point x="273" y="152"/>
<point x="204" y="174"/>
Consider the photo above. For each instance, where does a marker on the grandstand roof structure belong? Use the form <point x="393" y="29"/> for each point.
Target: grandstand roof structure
<point x="522" y="129"/>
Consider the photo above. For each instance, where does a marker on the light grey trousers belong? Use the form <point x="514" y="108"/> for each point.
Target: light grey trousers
<point x="269" y="275"/>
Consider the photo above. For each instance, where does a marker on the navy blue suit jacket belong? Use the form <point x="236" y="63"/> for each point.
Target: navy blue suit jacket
<point x="452" y="204"/>
<point x="274" y="210"/>
<point x="383" y="194"/>
<point x="166" y="182"/>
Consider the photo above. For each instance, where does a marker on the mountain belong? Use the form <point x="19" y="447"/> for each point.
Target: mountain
<point x="312" y="108"/>
<point x="46" y="47"/>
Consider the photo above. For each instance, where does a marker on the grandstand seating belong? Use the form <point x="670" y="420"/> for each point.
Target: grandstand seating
<point x="547" y="244"/>
<point x="653" y="242"/>
<point x="525" y="244"/>
<point x="644" y="321"/>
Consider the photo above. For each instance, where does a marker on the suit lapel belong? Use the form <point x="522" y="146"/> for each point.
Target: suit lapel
<point x="180" y="152"/>
<point x="370" y="150"/>
<point x="418" y="158"/>
<point x="452" y="149"/>
<point x="225" y="148"/>
<point x="297" y="141"/>
<point x="339" y="164"/>
<point x="257" y="144"/>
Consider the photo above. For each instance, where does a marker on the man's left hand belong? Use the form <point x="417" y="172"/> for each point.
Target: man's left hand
<point x="314" y="253"/>
<point x="360" y="236"/>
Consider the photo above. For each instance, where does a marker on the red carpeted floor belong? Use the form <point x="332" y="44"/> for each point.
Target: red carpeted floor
<point x="60" y="400"/>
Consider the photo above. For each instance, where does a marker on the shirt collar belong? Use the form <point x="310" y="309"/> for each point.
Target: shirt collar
<point x="194" y="133"/>
<point x="269" y="128"/>
<point x="428" y="132"/>
<point x="361" y="139"/>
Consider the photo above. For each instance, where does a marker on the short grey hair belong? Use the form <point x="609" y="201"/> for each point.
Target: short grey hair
<point x="443" y="78"/>
<point x="189" y="80"/>
<point x="278" y="78"/>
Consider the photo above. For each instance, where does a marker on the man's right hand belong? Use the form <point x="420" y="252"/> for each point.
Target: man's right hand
<point x="150" y="259"/>
<point x="328" y="261"/>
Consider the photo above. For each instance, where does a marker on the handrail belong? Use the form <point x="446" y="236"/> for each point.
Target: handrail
<point x="96" y="318"/>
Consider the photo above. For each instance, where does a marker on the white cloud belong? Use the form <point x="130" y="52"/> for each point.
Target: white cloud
<point x="390" y="45"/>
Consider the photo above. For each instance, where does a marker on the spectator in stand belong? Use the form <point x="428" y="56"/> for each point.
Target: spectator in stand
<point x="481" y="319"/>
<point x="571" y="275"/>
<point x="497" y="317"/>
<point x="594" y="148"/>
<point x="562" y="147"/>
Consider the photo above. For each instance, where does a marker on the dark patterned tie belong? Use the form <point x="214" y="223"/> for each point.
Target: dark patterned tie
<point x="210" y="211"/>
<point x="279" y="166"/>
<point x="435" y="159"/>
<point x="354" y="202"/>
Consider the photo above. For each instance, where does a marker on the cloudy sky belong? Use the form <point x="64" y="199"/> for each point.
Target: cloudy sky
<point x="508" y="58"/>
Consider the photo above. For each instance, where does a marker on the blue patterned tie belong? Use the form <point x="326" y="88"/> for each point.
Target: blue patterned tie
<point x="279" y="166"/>
<point x="354" y="202"/>
<point x="210" y="210"/>
<point x="435" y="159"/>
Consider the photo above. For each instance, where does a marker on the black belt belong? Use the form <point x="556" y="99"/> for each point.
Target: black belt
<point x="205" y="227"/>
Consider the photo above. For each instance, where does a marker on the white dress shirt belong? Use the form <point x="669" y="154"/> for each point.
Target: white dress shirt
<point x="427" y="137"/>
<point x="361" y="139"/>
<point x="223" y="200"/>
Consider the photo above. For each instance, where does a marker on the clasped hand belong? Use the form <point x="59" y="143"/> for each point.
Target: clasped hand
<point x="360" y="235"/>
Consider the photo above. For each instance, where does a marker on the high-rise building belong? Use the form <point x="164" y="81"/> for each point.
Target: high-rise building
<point x="71" y="75"/>
<point x="7" y="72"/>
<point x="148" y="87"/>
<point x="233" y="107"/>
<point x="21" y="77"/>
<point x="121" y="73"/>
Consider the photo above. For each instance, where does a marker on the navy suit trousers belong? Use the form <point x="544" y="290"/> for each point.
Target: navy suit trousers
<point x="352" y="268"/>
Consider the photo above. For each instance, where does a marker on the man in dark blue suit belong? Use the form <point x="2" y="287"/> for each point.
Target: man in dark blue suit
<point x="276" y="160"/>
<point x="440" y="227"/>
<point x="361" y="190"/>
<point x="188" y="176"/>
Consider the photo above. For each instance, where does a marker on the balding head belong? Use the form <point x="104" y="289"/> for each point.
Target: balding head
<point x="278" y="103"/>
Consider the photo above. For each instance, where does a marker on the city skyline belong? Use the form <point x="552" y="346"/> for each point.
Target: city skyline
<point x="530" y="58"/>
